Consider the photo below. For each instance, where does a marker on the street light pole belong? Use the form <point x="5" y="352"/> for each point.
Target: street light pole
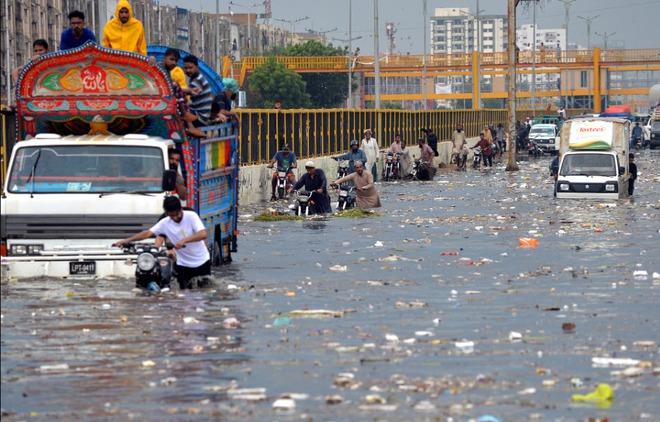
<point x="376" y="56"/>
<point x="424" y="14"/>
<point x="588" y="21"/>
<point x="512" y="165"/>
<point x="534" y="63"/>
<point x="349" y="103"/>
<point x="567" y="6"/>
<point x="605" y="36"/>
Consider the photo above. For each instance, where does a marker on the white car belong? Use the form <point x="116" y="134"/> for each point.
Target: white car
<point x="546" y="137"/>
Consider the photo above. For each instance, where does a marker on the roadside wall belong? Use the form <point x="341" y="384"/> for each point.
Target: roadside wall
<point x="255" y="180"/>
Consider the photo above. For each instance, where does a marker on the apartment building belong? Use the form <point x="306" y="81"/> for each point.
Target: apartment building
<point x="456" y="30"/>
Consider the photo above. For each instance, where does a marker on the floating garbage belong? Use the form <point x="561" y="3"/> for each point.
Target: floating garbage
<point x="528" y="242"/>
<point x="284" y="404"/>
<point x="607" y="362"/>
<point x="603" y="394"/>
<point x="338" y="268"/>
<point x="465" y="346"/>
<point x="515" y="336"/>
<point x="640" y="274"/>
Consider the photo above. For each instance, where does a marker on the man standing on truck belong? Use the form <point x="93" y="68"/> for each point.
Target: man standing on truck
<point x="199" y="89"/>
<point x="221" y="107"/>
<point x="124" y="32"/>
<point x="77" y="35"/>
<point x="186" y="231"/>
<point x="40" y="47"/>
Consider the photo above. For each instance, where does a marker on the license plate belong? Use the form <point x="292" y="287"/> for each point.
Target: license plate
<point x="282" y="174"/>
<point x="343" y="193"/>
<point x="82" y="268"/>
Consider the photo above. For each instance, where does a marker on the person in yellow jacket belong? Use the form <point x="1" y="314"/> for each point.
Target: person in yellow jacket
<point x="124" y="32"/>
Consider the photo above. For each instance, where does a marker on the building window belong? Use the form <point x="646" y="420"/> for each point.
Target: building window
<point x="583" y="79"/>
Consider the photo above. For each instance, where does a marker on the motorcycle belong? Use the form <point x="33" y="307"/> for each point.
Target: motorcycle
<point x="415" y="168"/>
<point x="391" y="166"/>
<point x="154" y="269"/>
<point x="342" y="169"/>
<point x="476" y="158"/>
<point x="303" y="199"/>
<point x="637" y="143"/>
<point x="283" y="183"/>
<point x="347" y="197"/>
<point x="534" y="149"/>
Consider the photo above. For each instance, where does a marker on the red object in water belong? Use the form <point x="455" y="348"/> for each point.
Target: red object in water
<point x="448" y="253"/>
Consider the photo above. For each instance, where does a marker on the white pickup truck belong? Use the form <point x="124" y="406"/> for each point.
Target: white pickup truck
<point x="594" y="158"/>
<point x="67" y="199"/>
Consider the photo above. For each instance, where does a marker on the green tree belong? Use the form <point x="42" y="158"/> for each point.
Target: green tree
<point x="326" y="90"/>
<point x="273" y="81"/>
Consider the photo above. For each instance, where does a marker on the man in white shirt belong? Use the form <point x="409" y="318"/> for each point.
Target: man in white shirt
<point x="187" y="233"/>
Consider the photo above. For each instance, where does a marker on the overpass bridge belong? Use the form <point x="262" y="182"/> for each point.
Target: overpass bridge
<point x="575" y="73"/>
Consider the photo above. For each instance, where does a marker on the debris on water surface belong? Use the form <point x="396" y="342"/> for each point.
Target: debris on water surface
<point x="333" y="399"/>
<point x="231" y="322"/>
<point x="568" y="327"/>
<point x="528" y="242"/>
<point x="465" y="346"/>
<point x="338" y="268"/>
<point x="317" y="313"/>
<point x="603" y="394"/>
<point x="607" y="362"/>
<point x="266" y="217"/>
<point x="358" y="213"/>
<point x="515" y="336"/>
<point x="393" y="258"/>
<point x="284" y="404"/>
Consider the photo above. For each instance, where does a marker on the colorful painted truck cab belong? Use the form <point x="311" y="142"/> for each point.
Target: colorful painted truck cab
<point x="95" y="126"/>
<point x="594" y="158"/>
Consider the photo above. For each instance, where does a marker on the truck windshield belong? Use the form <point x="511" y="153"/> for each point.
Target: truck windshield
<point x="588" y="165"/>
<point x="89" y="168"/>
<point x="542" y="131"/>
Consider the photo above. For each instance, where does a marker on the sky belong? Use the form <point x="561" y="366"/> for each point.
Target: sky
<point x="631" y="22"/>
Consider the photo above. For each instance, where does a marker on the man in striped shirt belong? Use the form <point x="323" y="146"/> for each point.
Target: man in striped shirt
<point x="199" y="90"/>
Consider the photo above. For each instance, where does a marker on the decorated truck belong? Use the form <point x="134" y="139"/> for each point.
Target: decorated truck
<point x="91" y="166"/>
<point x="594" y="158"/>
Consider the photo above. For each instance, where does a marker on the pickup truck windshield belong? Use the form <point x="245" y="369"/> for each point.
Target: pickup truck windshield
<point x="542" y="131"/>
<point x="88" y="168"/>
<point x="588" y="165"/>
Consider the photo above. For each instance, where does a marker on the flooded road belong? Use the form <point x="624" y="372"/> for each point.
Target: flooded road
<point x="431" y="311"/>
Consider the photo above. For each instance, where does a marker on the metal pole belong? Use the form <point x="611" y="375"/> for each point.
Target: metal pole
<point x="376" y="56"/>
<point x="424" y="59"/>
<point x="218" y="62"/>
<point x="249" y="31"/>
<point x="512" y="165"/>
<point x="8" y="66"/>
<point x="160" y="26"/>
<point x="349" y="103"/>
<point x="479" y="39"/>
<point x="567" y="6"/>
<point x="534" y="64"/>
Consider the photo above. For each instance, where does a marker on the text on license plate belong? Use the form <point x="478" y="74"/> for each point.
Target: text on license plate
<point x="82" y="267"/>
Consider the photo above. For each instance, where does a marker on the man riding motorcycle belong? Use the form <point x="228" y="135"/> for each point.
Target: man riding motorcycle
<point x="355" y="153"/>
<point x="285" y="159"/>
<point x="314" y="181"/>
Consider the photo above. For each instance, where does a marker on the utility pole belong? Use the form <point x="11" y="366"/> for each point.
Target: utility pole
<point x="567" y="7"/>
<point x="218" y="62"/>
<point x="534" y="62"/>
<point x="425" y="17"/>
<point x="376" y="57"/>
<point x="588" y="21"/>
<point x="8" y="65"/>
<point x="512" y="165"/>
<point x="605" y="36"/>
<point x="479" y="48"/>
<point x="292" y="23"/>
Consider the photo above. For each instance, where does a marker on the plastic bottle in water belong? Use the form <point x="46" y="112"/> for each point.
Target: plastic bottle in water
<point x="153" y="286"/>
